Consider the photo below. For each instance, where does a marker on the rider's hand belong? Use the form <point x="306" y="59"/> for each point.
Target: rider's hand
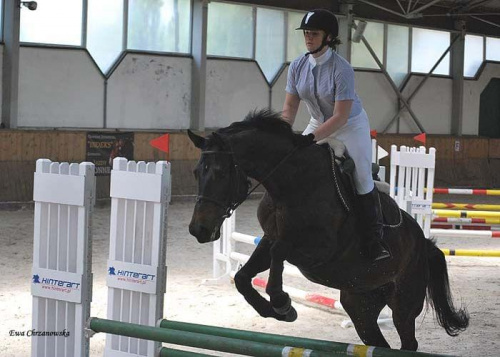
<point x="303" y="140"/>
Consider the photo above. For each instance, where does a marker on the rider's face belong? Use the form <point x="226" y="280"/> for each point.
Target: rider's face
<point x="313" y="39"/>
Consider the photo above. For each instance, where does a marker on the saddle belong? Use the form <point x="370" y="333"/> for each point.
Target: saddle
<point x="390" y="209"/>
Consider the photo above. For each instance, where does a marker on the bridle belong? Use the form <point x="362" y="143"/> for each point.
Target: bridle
<point x="234" y="200"/>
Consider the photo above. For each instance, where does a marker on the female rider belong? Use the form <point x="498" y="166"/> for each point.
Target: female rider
<point x="325" y="82"/>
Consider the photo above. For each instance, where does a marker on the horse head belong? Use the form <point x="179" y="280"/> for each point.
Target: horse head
<point x="222" y="186"/>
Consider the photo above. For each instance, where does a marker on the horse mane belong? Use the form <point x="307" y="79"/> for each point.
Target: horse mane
<point x="264" y="119"/>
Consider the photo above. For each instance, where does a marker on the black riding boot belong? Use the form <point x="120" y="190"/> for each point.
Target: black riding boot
<point x="371" y="224"/>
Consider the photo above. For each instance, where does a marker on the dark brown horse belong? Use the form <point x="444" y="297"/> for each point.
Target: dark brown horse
<point x="309" y="219"/>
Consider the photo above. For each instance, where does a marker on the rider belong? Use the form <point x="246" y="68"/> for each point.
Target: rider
<point x="325" y="82"/>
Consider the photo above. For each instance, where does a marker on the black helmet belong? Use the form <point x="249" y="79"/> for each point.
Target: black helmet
<point x="320" y="19"/>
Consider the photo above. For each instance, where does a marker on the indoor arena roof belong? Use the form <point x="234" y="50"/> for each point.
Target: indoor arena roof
<point x="480" y="16"/>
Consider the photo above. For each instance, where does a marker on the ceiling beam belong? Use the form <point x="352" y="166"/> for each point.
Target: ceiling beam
<point x="382" y="8"/>
<point x="486" y="21"/>
<point x="476" y="4"/>
<point x="423" y="7"/>
<point x="401" y="6"/>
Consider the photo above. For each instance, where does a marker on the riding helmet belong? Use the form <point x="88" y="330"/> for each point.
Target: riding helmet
<point x="320" y="19"/>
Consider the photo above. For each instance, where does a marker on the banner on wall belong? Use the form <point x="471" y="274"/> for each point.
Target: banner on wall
<point x="102" y="148"/>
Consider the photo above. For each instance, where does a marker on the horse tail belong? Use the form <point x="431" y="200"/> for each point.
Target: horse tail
<point x="439" y="295"/>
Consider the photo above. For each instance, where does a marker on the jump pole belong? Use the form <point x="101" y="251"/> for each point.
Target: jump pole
<point x="466" y="206"/>
<point x="461" y="226"/>
<point x="436" y="232"/>
<point x="471" y="191"/>
<point x="471" y="253"/>
<point x="241" y="342"/>
<point x="465" y="214"/>
<point x="457" y="220"/>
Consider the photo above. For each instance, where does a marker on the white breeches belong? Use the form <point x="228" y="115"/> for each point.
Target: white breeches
<point x="356" y="137"/>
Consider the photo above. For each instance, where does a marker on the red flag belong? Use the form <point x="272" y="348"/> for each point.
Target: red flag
<point x="161" y="143"/>
<point x="420" y="138"/>
<point x="373" y="134"/>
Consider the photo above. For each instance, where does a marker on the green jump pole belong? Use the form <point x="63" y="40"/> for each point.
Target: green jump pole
<point x="191" y="339"/>
<point x="171" y="352"/>
<point x="318" y="345"/>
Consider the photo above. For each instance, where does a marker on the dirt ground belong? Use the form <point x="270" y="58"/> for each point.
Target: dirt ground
<point x="474" y="282"/>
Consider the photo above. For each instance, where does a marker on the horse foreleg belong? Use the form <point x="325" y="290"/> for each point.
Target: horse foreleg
<point x="280" y="300"/>
<point x="259" y="261"/>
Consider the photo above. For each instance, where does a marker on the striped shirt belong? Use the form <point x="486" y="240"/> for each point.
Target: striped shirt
<point x="319" y="82"/>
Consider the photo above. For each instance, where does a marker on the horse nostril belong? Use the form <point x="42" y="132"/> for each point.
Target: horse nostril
<point x="194" y="229"/>
<point x="199" y="231"/>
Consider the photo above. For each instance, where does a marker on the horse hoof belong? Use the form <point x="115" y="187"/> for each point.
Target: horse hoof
<point x="291" y="316"/>
<point x="285" y="308"/>
<point x="286" y="312"/>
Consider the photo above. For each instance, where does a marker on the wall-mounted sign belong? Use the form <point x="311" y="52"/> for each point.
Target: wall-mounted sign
<point x="103" y="147"/>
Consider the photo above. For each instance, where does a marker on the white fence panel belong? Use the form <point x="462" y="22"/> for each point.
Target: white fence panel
<point x="61" y="285"/>
<point x="413" y="170"/>
<point x="140" y="194"/>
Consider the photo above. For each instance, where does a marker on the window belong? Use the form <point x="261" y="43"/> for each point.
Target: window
<point x="427" y="47"/>
<point x="56" y="22"/>
<point x="397" y="52"/>
<point x="295" y="40"/>
<point x="270" y="41"/>
<point x="230" y="30"/>
<point x="105" y="31"/>
<point x="492" y="49"/>
<point x="473" y="54"/>
<point x="159" y="25"/>
<point x="1" y="20"/>
<point x="360" y="56"/>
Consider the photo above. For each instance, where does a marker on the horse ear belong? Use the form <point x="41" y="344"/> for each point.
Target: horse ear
<point x="197" y="140"/>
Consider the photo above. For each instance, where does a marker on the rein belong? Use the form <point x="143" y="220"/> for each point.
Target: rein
<point x="270" y="173"/>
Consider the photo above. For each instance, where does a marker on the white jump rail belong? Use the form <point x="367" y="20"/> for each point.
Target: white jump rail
<point x="412" y="182"/>
<point x="136" y="279"/>
<point x="62" y="257"/>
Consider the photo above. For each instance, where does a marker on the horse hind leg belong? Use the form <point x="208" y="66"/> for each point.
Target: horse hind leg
<point x="364" y="310"/>
<point x="407" y="302"/>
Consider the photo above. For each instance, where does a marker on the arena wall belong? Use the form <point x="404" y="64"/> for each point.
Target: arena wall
<point x="63" y="94"/>
<point x="461" y="162"/>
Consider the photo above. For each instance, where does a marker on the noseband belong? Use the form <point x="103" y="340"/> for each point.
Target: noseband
<point x="234" y="200"/>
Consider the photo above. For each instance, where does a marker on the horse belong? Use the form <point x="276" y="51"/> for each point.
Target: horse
<point x="308" y="216"/>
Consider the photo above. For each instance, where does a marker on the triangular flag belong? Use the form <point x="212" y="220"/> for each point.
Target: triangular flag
<point x="161" y="143"/>
<point x="381" y="153"/>
<point x="420" y="138"/>
<point x="373" y="134"/>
